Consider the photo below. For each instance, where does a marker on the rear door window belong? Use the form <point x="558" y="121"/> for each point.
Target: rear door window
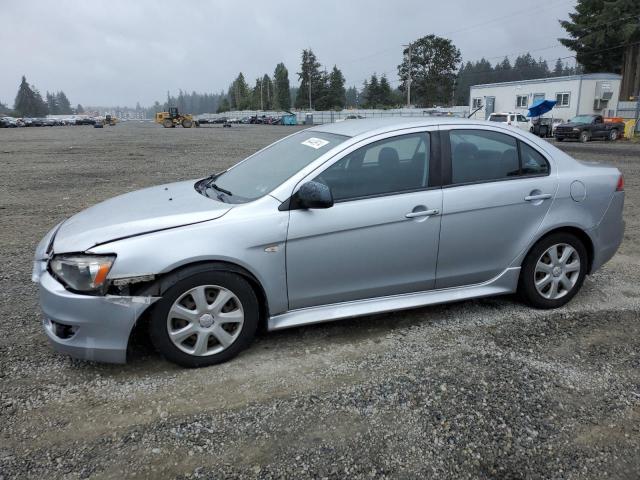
<point x="533" y="163"/>
<point x="484" y="156"/>
<point x="481" y="155"/>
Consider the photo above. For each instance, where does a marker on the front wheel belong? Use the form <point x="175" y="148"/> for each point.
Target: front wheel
<point x="613" y="135"/>
<point x="205" y="319"/>
<point x="186" y="123"/>
<point x="584" y="136"/>
<point x="553" y="271"/>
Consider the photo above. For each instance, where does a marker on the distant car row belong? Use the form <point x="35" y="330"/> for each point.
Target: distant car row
<point x="11" y="122"/>
<point x="254" y="119"/>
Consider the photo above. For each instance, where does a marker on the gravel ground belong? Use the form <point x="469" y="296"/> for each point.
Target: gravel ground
<point x="478" y="389"/>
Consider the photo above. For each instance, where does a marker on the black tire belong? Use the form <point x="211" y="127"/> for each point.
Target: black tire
<point x="237" y="285"/>
<point x="584" y="136"/>
<point x="167" y="123"/>
<point x="186" y="123"/>
<point x="613" y="135"/>
<point x="526" y="285"/>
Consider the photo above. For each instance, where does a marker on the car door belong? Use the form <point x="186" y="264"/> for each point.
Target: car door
<point x="599" y="128"/>
<point x="497" y="190"/>
<point x="523" y="123"/>
<point x="381" y="235"/>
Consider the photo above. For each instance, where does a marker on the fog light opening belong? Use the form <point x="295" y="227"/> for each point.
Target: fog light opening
<point x="63" y="331"/>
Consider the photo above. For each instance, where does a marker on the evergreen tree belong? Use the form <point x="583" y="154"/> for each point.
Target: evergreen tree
<point x="63" y="104"/>
<point x="384" y="92"/>
<point x="239" y="94"/>
<point x="336" y="91"/>
<point x="351" y="97"/>
<point x="371" y="92"/>
<point x="558" y="70"/>
<point x="312" y="81"/>
<point x="282" y="90"/>
<point x="80" y="109"/>
<point x="267" y="92"/>
<point x="29" y="102"/>
<point x="224" y="106"/>
<point x="52" y="104"/>
<point x="605" y="34"/>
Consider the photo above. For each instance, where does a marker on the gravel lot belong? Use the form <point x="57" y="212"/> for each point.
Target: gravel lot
<point x="478" y="389"/>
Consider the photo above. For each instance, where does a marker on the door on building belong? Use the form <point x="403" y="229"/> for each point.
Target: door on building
<point x="489" y="107"/>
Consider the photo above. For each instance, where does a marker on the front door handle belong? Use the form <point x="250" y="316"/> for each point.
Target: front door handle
<point x="422" y="213"/>
<point x="534" y="198"/>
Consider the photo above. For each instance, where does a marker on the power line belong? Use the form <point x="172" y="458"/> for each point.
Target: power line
<point x="464" y="29"/>
<point x="591" y="32"/>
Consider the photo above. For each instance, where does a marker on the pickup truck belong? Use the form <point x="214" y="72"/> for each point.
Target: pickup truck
<point x="587" y="127"/>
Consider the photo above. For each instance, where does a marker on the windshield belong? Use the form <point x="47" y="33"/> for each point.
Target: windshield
<point x="582" y="119"/>
<point x="498" y="118"/>
<point x="264" y="171"/>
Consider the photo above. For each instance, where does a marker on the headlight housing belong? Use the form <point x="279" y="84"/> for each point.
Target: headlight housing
<point x="576" y="129"/>
<point x="83" y="273"/>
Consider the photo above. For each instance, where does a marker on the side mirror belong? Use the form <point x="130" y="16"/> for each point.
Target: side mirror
<point x="313" y="195"/>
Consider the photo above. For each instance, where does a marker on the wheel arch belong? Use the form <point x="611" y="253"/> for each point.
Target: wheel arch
<point x="578" y="232"/>
<point x="166" y="280"/>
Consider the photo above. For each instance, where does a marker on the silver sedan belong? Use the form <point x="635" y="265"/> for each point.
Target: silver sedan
<point x="332" y="222"/>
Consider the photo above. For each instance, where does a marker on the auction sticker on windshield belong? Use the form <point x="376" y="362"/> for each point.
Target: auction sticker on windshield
<point x="315" y="142"/>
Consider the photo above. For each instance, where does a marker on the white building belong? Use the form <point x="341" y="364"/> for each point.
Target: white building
<point x="593" y="93"/>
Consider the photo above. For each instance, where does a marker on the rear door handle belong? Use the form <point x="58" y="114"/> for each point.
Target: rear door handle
<point x="533" y="198"/>
<point x="422" y="213"/>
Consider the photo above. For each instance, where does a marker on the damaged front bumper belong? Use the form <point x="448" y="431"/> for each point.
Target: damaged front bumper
<point x="88" y="327"/>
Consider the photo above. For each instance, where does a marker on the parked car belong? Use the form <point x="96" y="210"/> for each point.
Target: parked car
<point x="588" y="127"/>
<point x="8" y="122"/>
<point x="335" y="221"/>
<point x="544" y="127"/>
<point x="514" y="119"/>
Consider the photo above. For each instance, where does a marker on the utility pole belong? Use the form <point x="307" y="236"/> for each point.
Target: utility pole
<point x="261" y="104"/>
<point x="637" y="126"/>
<point x="309" y="85"/>
<point x="409" y="78"/>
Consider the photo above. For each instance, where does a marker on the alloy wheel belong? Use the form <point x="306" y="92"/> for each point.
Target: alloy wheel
<point x="205" y="320"/>
<point x="557" y="271"/>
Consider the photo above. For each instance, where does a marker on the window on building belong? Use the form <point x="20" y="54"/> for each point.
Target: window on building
<point x="537" y="97"/>
<point x="562" y="99"/>
<point x="521" y="101"/>
<point x="477" y="103"/>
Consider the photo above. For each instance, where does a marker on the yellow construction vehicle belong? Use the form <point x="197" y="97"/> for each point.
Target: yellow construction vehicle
<point x="109" y="120"/>
<point x="173" y="118"/>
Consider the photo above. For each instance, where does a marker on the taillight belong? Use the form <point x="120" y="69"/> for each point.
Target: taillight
<point x="620" y="187"/>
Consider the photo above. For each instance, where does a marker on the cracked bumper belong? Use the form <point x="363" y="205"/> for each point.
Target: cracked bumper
<point x="89" y="327"/>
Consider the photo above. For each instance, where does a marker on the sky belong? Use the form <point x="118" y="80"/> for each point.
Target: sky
<point x="119" y="52"/>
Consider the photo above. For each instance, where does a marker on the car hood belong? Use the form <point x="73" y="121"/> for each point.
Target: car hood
<point x="142" y="211"/>
<point x="571" y="124"/>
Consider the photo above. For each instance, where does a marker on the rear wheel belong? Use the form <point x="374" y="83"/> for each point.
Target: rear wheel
<point x="186" y="123"/>
<point x="585" y="136"/>
<point x="167" y="123"/>
<point x="553" y="271"/>
<point x="205" y="319"/>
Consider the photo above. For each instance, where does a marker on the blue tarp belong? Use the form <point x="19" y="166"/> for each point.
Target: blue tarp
<point x="540" y="107"/>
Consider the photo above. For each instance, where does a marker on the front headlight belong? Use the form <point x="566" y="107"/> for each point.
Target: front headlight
<point x="84" y="273"/>
<point x="576" y="129"/>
